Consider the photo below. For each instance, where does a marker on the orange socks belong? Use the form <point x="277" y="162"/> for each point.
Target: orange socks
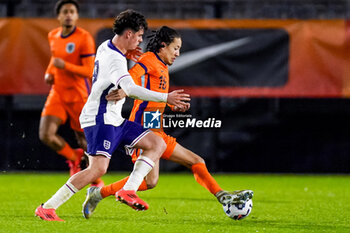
<point x="111" y="189"/>
<point x="67" y="152"/>
<point x="204" y="178"/>
<point x="200" y="173"/>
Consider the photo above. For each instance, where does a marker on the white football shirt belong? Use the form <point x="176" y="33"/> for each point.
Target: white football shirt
<point x="111" y="71"/>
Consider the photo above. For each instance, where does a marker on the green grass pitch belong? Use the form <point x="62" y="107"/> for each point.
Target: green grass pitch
<point x="282" y="203"/>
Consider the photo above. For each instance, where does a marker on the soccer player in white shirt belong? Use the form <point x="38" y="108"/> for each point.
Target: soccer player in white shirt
<point x="103" y="125"/>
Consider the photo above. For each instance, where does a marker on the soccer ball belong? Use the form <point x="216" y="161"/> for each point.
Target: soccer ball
<point x="238" y="211"/>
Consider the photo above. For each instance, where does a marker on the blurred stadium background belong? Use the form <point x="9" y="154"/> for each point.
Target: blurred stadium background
<point x="283" y="99"/>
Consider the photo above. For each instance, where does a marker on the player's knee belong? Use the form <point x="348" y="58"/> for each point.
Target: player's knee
<point x="100" y="171"/>
<point x="97" y="170"/>
<point x="156" y="145"/>
<point x="45" y="137"/>
<point x="159" y="145"/>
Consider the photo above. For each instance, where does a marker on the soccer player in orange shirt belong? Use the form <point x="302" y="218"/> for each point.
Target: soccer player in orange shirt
<point x="69" y="74"/>
<point x="151" y="72"/>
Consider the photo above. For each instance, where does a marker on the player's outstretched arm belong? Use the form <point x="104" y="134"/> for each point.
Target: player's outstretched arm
<point x="132" y="90"/>
<point x="119" y="94"/>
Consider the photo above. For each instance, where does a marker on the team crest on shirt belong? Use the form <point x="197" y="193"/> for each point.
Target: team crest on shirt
<point x="70" y="47"/>
<point x="106" y="144"/>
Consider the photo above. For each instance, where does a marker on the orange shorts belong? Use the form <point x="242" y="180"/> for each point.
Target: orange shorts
<point x="170" y="146"/>
<point x="54" y="106"/>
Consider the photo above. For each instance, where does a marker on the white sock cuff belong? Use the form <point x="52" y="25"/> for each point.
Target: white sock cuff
<point x="146" y="160"/>
<point x="71" y="187"/>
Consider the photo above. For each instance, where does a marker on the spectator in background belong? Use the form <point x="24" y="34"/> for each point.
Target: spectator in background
<point x="69" y="74"/>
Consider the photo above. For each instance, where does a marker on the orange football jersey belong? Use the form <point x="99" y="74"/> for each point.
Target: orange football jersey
<point x="76" y="49"/>
<point x="152" y="73"/>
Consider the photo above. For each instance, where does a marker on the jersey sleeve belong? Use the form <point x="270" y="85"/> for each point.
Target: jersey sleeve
<point x="137" y="71"/>
<point x="87" y="56"/>
<point x="88" y="47"/>
<point x="117" y="70"/>
<point x="50" y="67"/>
<point x="85" y="70"/>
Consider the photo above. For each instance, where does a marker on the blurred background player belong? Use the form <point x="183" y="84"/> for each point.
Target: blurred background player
<point x="103" y="124"/>
<point x="151" y="72"/>
<point x="69" y="72"/>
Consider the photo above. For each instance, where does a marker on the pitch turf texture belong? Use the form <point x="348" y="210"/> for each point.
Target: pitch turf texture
<point x="282" y="203"/>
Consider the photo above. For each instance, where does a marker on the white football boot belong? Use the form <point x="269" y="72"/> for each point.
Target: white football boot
<point x="93" y="197"/>
<point x="235" y="197"/>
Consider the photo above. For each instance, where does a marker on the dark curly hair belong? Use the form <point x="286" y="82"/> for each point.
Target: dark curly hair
<point x="129" y="19"/>
<point x="164" y="34"/>
<point x="60" y="3"/>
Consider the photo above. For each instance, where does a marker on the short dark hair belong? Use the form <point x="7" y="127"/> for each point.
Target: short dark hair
<point x="163" y="34"/>
<point x="129" y="19"/>
<point x="60" y="3"/>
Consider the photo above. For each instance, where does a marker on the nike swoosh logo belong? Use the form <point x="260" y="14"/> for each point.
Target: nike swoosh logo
<point x="196" y="56"/>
